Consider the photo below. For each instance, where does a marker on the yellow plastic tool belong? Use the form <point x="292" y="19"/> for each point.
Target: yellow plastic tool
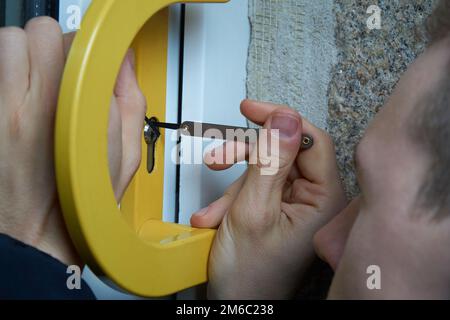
<point x="131" y="246"/>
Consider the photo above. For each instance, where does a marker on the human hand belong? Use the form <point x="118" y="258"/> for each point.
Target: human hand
<point x="31" y="65"/>
<point x="267" y="223"/>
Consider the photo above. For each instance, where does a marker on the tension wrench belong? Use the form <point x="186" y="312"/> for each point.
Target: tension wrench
<point x="188" y="128"/>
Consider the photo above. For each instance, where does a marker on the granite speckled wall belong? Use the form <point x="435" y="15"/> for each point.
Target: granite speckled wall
<point x="320" y="58"/>
<point x="370" y="62"/>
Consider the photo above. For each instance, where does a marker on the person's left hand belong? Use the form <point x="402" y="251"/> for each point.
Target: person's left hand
<point x="31" y="65"/>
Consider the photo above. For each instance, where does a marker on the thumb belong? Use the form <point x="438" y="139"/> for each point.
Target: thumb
<point x="271" y="161"/>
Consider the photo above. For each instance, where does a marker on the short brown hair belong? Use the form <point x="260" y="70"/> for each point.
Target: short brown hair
<point x="432" y="127"/>
<point x="432" y="131"/>
<point x="438" y="24"/>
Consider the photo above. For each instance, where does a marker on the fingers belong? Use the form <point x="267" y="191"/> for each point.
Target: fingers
<point x="262" y="191"/>
<point x="225" y="156"/>
<point x="115" y="149"/>
<point x="258" y="112"/>
<point x="212" y="216"/>
<point x="302" y="191"/>
<point x="132" y="103"/>
<point x="317" y="164"/>
<point x="15" y="66"/>
<point x="132" y="107"/>
<point x="46" y="51"/>
<point x="330" y="241"/>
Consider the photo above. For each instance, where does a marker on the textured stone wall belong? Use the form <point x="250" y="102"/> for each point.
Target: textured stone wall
<point x="370" y="62"/>
<point x="321" y="58"/>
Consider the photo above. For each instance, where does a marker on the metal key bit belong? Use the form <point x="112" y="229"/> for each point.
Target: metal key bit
<point x="151" y="135"/>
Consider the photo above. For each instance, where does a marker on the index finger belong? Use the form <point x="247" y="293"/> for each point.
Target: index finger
<point x="14" y="63"/>
<point x="317" y="164"/>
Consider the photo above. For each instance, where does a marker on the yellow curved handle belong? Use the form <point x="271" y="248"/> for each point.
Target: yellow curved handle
<point x="147" y="257"/>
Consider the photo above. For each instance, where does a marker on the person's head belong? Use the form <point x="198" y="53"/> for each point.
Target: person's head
<point x="401" y="221"/>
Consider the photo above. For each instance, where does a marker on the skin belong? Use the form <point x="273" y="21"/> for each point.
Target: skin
<point x="269" y="226"/>
<point x="31" y="66"/>
<point x="267" y="223"/>
<point x="385" y="226"/>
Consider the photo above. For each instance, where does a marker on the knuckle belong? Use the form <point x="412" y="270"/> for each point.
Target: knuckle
<point x="252" y="218"/>
<point x="298" y="186"/>
<point x="304" y="191"/>
<point x="138" y="101"/>
<point x="299" y="191"/>
<point x="285" y="161"/>
<point x="261" y="225"/>
<point x="141" y="101"/>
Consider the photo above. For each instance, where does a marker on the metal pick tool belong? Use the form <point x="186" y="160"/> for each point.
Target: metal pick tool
<point x="201" y="130"/>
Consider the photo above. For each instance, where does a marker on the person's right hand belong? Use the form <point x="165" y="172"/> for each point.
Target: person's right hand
<point x="267" y="223"/>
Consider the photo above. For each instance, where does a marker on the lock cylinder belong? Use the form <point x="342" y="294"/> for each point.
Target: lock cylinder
<point x="151" y="136"/>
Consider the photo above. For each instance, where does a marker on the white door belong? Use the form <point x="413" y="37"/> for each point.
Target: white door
<point x="214" y="84"/>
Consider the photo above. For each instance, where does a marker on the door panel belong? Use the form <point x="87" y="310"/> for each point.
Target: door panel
<point x="214" y="84"/>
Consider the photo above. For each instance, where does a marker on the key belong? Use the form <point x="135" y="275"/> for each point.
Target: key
<point x="151" y="135"/>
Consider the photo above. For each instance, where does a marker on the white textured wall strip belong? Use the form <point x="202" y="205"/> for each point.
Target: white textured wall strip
<point x="292" y="52"/>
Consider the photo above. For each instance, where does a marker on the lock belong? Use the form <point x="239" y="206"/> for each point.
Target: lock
<point x="131" y="246"/>
<point x="151" y="135"/>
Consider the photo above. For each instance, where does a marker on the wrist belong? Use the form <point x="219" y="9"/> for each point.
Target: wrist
<point x="244" y="276"/>
<point x="44" y="231"/>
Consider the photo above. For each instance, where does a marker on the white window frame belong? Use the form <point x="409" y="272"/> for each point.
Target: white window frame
<point x="217" y="38"/>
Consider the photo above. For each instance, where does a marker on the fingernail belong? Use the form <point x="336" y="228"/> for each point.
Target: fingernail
<point x="287" y="125"/>
<point x="202" y="212"/>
